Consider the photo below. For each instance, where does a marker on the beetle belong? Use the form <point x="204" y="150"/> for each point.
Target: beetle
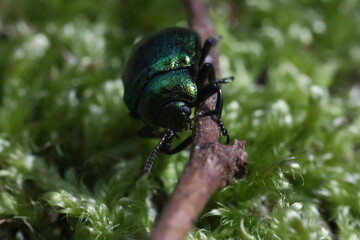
<point x="164" y="79"/>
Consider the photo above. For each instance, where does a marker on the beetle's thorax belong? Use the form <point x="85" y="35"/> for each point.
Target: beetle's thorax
<point x="164" y="96"/>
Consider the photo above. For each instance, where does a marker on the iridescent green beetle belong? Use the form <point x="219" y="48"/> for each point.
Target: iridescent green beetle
<point x="164" y="79"/>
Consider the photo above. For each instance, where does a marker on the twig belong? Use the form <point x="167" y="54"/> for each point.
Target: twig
<point x="211" y="166"/>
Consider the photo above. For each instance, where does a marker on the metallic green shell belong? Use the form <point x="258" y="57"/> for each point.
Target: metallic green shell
<point x="167" y="50"/>
<point x="175" y="85"/>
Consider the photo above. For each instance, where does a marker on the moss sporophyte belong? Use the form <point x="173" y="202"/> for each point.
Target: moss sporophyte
<point x="164" y="79"/>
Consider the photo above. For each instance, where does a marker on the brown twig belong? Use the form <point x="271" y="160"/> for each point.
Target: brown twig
<point x="211" y="166"/>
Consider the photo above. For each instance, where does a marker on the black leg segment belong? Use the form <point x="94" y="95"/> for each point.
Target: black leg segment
<point x="216" y="115"/>
<point x="208" y="72"/>
<point x="179" y="147"/>
<point x="209" y="43"/>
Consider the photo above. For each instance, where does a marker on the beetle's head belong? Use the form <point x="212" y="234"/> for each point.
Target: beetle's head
<point x="175" y="115"/>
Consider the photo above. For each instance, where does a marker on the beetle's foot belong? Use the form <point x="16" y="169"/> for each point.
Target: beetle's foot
<point x="224" y="80"/>
<point x="223" y="130"/>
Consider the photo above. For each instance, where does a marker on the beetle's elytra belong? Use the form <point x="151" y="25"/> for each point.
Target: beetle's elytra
<point x="164" y="79"/>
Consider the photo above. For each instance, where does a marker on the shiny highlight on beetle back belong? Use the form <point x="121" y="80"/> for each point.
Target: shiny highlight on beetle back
<point x="161" y="69"/>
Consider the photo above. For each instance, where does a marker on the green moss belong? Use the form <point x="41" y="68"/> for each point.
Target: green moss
<point x="71" y="163"/>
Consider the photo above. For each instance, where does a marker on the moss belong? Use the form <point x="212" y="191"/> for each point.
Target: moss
<point x="71" y="163"/>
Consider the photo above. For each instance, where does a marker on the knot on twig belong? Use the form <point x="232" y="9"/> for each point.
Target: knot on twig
<point x="220" y="163"/>
<point x="241" y="161"/>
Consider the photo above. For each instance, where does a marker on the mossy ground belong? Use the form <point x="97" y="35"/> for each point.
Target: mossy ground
<point x="70" y="160"/>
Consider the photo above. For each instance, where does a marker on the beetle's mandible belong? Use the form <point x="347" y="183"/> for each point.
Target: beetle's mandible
<point x="164" y="79"/>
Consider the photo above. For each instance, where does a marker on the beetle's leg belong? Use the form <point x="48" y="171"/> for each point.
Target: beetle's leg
<point x="216" y="114"/>
<point x="205" y="91"/>
<point x="208" y="72"/>
<point x="148" y="132"/>
<point x="179" y="147"/>
<point x="164" y="143"/>
<point x="224" y="80"/>
<point x="209" y="43"/>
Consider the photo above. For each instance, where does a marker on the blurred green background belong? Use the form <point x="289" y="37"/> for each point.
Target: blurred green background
<point x="71" y="162"/>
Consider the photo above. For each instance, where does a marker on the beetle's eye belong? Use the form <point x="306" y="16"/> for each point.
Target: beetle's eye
<point x="186" y="110"/>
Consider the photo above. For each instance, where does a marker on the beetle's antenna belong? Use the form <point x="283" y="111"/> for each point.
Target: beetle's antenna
<point x="150" y="160"/>
<point x="164" y="144"/>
